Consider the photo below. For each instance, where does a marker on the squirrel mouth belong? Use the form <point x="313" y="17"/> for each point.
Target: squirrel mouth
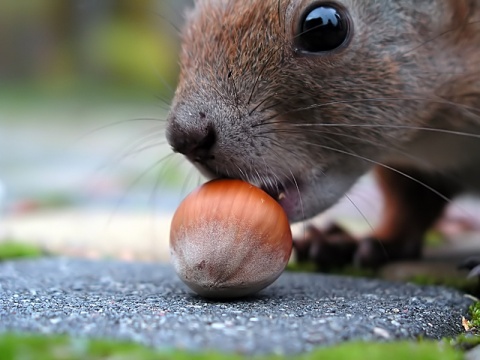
<point x="276" y="191"/>
<point x="288" y="196"/>
<point x="274" y="188"/>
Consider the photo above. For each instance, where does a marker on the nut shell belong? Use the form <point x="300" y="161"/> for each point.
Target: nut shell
<point x="229" y="239"/>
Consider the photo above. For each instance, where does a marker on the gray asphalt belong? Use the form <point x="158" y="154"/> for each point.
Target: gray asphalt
<point x="146" y="303"/>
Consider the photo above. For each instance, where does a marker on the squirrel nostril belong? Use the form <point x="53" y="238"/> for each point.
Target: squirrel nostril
<point x="210" y="138"/>
<point x="202" y="150"/>
<point x="192" y="140"/>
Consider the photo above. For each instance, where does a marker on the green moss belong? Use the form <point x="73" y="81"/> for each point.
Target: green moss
<point x="474" y="311"/>
<point x="471" y="338"/>
<point x="355" y="272"/>
<point x="301" y="267"/>
<point x="424" y="350"/>
<point x="460" y="282"/>
<point x="465" y="342"/>
<point x="468" y="285"/>
<point x="10" y="249"/>
<point x="346" y="271"/>
<point x="16" y="347"/>
<point x="13" y="347"/>
<point x="434" y="238"/>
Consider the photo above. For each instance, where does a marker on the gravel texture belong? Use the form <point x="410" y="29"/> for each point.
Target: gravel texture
<point x="147" y="303"/>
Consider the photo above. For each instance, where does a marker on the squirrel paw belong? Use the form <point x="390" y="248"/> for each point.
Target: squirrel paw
<point x="330" y="248"/>
<point x="334" y="248"/>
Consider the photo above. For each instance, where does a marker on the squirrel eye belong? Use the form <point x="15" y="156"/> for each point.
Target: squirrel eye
<point x="323" y="28"/>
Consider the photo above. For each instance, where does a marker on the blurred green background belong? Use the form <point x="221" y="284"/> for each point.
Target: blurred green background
<point x="84" y="92"/>
<point x="85" y="87"/>
<point x="71" y="48"/>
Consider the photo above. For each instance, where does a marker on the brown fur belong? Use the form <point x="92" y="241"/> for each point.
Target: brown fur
<point x="251" y="105"/>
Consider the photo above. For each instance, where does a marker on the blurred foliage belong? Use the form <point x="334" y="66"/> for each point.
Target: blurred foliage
<point x="17" y="346"/>
<point x="11" y="249"/>
<point x="475" y="314"/>
<point x="132" y="55"/>
<point x="464" y="284"/>
<point x="57" y="46"/>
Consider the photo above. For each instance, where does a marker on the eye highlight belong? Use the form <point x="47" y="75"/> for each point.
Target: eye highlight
<point x="323" y="27"/>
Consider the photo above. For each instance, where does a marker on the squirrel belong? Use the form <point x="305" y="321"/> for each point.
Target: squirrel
<point x="302" y="98"/>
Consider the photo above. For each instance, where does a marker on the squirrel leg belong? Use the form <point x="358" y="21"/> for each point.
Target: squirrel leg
<point x="412" y="204"/>
<point x="411" y="207"/>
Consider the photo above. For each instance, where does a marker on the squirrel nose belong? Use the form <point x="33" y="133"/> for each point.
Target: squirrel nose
<point x="195" y="141"/>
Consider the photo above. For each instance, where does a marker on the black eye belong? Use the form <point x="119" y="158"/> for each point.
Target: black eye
<point x="323" y="28"/>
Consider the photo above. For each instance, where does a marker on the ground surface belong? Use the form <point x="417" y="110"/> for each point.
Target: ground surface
<point x="146" y="303"/>
<point x="74" y="190"/>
